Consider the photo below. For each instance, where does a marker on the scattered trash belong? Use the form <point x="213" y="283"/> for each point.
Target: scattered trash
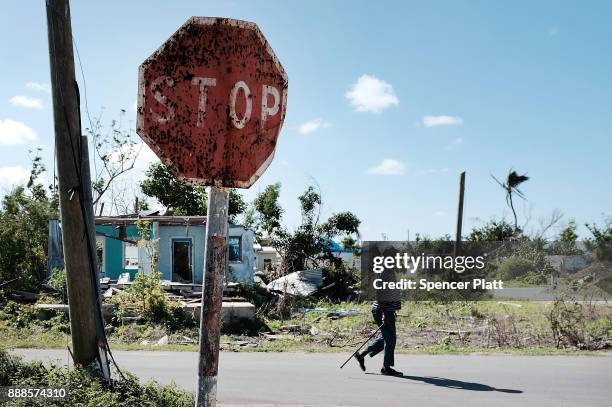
<point x="307" y="310"/>
<point x="343" y="314"/>
<point x="295" y="329"/>
<point x="277" y="336"/>
<point x="124" y="278"/>
<point x="260" y="278"/>
<point x="111" y="291"/>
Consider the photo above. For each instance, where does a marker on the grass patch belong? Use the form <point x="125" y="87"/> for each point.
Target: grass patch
<point x="507" y="327"/>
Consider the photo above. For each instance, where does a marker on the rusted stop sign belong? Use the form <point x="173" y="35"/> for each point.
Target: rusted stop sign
<point x="211" y="102"/>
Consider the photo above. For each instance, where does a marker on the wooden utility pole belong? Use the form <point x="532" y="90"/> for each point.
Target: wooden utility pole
<point x="215" y="264"/>
<point x="459" y="214"/>
<point x="90" y="225"/>
<point x="75" y="235"/>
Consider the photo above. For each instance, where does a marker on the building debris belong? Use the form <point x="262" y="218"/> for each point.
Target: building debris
<point x="307" y="310"/>
<point x="304" y="283"/>
<point x="124" y="278"/>
<point x="343" y="314"/>
<point x="111" y="291"/>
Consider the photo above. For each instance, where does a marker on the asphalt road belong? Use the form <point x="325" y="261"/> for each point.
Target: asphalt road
<point x="303" y="379"/>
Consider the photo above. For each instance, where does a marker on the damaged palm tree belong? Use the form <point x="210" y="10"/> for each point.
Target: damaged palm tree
<point x="510" y="185"/>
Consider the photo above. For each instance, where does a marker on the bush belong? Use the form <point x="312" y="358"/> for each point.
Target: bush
<point x="578" y="325"/>
<point x="18" y="315"/>
<point x="601" y="243"/>
<point x="514" y="267"/>
<point x="57" y="281"/>
<point x="524" y="261"/>
<point x="24" y="215"/>
<point x="146" y="297"/>
<point x="85" y="391"/>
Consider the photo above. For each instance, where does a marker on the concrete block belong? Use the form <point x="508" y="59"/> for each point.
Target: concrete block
<point x="230" y="311"/>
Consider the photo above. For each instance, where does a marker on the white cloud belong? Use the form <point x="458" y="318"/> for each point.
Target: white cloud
<point x="10" y="176"/>
<point x="432" y="121"/>
<point x="313" y="125"/>
<point x="388" y="166"/>
<point x="370" y="94"/>
<point x="26" y="101"/>
<point x="41" y="87"/>
<point x="14" y="132"/>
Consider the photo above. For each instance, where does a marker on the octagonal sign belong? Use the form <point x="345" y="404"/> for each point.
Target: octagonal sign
<point x="211" y="102"/>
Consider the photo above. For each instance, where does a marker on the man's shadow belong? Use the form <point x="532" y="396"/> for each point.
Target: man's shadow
<point x="454" y="384"/>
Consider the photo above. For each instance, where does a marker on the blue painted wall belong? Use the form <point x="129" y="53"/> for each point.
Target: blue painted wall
<point x="241" y="271"/>
<point x="166" y="234"/>
<point x="113" y="251"/>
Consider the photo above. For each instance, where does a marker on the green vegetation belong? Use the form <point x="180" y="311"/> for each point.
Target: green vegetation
<point x="181" y="197"/>
<point x="308" y="246"/>
<point x="145" y="298"/>
<point x="601" y="242"/>
<point x="58" y="282"/>
<point x="85" y="391"/>
<point x="24" y="215"/>
<point x="521" y="327"/>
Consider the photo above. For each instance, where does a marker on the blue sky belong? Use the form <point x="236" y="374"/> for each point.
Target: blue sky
<point x="388" y="101"/>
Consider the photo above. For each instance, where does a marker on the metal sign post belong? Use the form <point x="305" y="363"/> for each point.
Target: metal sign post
<point x="215" y="264"/>
<point x="211" y="103"/>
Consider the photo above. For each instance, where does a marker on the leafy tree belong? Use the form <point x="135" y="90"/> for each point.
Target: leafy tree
<point x="569" y="234"/>
<point x="24" y="216"/>
<point x="601" y="242"/>
<point x="309" y="244"/>
<point x="567" y="240"/>
<point x="510" y="185"/>
<point x="492" y="231"/>
<point x="181" y="197"/>
<point x="265" y="214"/>
<point x="349" y="243"/>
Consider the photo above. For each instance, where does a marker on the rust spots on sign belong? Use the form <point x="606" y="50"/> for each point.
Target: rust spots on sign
<point x="212" y="101"/>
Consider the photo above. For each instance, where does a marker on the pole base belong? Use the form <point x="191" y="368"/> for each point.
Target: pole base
<point x="207" y="392"/>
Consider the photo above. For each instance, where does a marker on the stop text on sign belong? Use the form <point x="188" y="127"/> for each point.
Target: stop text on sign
<point x="212" y="102"/>
<point x="239" y="100"/>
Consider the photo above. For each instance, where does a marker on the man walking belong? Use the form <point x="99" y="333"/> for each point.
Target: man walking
<point x="384" y="314"/>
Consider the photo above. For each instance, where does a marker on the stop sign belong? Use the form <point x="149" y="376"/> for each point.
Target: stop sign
<point x="211" y="102"/>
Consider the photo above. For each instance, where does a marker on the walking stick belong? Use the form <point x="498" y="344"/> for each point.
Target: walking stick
<point x="359" y="348"/>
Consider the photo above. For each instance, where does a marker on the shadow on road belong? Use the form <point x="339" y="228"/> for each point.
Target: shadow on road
<point x="454" y="384"/>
